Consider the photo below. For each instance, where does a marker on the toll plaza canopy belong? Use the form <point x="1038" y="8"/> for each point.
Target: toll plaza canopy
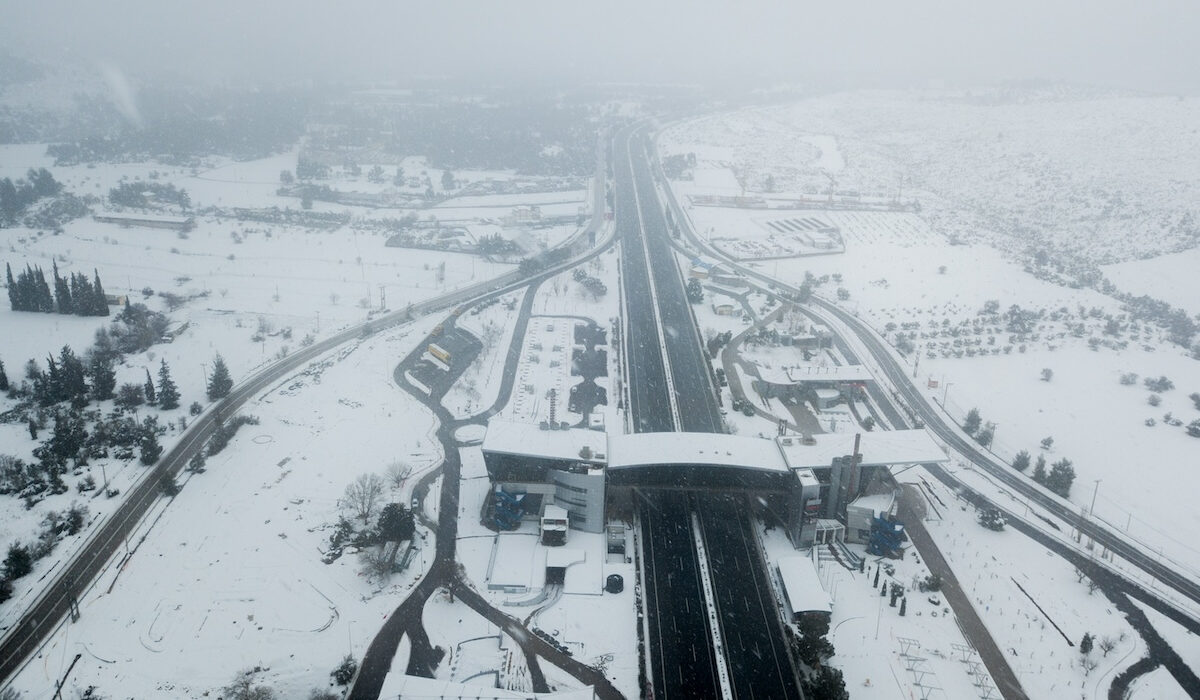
<point x="700" y="449"/>
<point x="877" y="448"/>
<point x="812" y="373"/>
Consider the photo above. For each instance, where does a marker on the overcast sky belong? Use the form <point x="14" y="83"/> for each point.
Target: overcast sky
<point x="1135" y="43"/>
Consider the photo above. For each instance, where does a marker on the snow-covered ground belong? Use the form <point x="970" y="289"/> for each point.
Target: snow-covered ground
<point x="228" y="575"/>
<point x="1171" y="277"/>
<point x="869" y="636"/>
<point x="990" y="566"/>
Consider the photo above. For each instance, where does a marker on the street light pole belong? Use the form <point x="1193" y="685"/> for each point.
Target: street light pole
<point x="945" y="393"/>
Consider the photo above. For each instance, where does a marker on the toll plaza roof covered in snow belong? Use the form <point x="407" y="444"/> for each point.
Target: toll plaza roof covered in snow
<point x="813" y="373"/>
<point x="698" y="449"/>
<point x="528" y="439"/>
<point x="878" y="447"/>
<point x="802" y="586"/>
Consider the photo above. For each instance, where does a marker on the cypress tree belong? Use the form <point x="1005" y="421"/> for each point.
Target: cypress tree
<point x="83" y="294"/>
<point x="62" y="293"/>
<point x="54" y="387"/>
<point x="168" y="393"/>
<point x="148" y="389"/>
<point x="100" y="307"/>
<point x="150" y="449"/>
<point x="44" y="297"/>
<point x="104" y="379"/>
<point x="220" y="384"/>
<point x="72" y="375"/>
<point x="14" y="293"/>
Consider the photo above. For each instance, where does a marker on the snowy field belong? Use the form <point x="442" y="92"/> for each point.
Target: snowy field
<point x="991" y="565"/>
<point x="1170" y="277"/>
<point x="230" y="575"/>
<point x="1011" y="166"/>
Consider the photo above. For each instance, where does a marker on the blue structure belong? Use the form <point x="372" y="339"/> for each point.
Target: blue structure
<point x="507" y="510"/>
<point x="886" y="537"/>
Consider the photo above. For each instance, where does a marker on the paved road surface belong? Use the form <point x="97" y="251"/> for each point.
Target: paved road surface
<point x="755" y="650"/>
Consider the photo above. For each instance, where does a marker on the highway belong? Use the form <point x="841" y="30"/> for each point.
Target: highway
<point x="76" y="576"/>
<point x="660" y="318"/>
<point x="1184" y="583"/>
<point x="682" y="659"/>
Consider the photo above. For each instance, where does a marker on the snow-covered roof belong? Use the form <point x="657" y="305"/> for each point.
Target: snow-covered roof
<point x="877" y="504"/>
<point x="813" y="373"/>
<point x="553" y="512"/>
<point x="510" y="437"/>
<point x="877" y="448"/>
<point x="802" y="586"/>
<point x="158" y="218"/>
<point x="706" y="449"/>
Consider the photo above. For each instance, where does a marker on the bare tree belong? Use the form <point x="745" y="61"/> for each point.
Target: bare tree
<point x="362" y="496"/>
<point x="397" y="472"/>
<point x="1107" y="644"/>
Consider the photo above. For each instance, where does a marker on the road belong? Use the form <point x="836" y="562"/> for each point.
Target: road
<point x="682" y="659"/>
<point x="666" y="356"/>
<point x="77" y="575"/>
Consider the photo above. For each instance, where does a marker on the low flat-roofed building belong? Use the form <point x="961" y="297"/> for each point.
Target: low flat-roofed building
<point x="802" y="587"/>
<point x="175" y="223"/>
<point x="565" y="466"/>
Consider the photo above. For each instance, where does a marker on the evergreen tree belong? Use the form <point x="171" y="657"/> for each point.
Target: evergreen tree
<point x="53" y="390"/>
<point x="18" y="562"/>
<point x="396" y="523"/>
<point x="826" y="683"/>
<point x="3" y="377"/>
<point x="148" y="389"/>
<point x="1085" y="644"/>
<point x="129" y="396"/>
<point x="14" y="292"/>
<point x="32" y="428"/>
<point x="62" y="293"/>
<point x="168" y="393"/>
<point x="73" y="378"/>
<point x="972" y="422"/>
<point x="1061" y="477"/>
<point x="985" y="434"/>
<point x="150" y="449"/>
<point x="100" y="305"/>
<point x="1021" y="461"/>
<point x="1039" y="470"/>
<point x="44" y="297"/>
<point x="68" y="437"/>
<point x="104" y="379"/>
<point x="220" y="383"/>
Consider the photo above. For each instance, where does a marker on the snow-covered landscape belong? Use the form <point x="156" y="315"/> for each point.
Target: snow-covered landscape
<point x="740" y="352"/>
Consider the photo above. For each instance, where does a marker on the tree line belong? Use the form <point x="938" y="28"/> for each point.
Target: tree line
<point x="76" y="294"/>
<point x="16" y="196"/>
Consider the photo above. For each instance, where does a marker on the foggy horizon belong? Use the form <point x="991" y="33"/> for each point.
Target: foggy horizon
<point x="1109" y="44"/>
